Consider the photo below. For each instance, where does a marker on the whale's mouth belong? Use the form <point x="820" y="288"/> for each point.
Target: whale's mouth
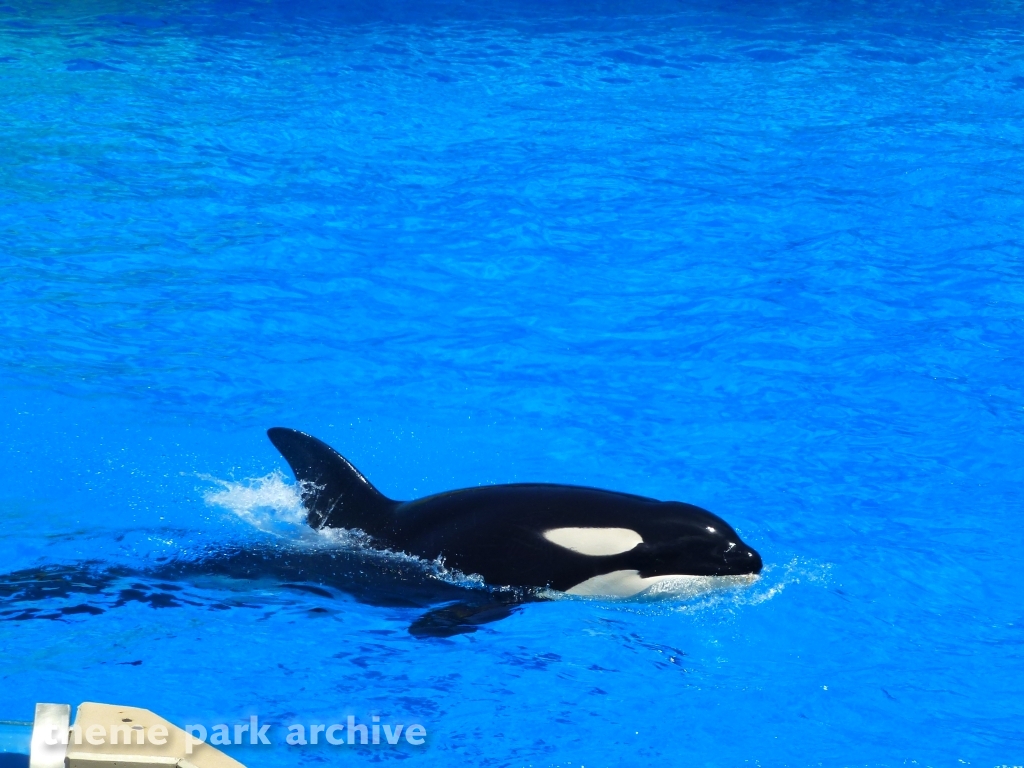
<point x="731" y="559"/>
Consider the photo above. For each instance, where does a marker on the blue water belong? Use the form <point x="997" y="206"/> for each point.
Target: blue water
<point x="761" y="257"/>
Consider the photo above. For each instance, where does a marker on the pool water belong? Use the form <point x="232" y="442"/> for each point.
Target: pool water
<point x="761" y="257"/>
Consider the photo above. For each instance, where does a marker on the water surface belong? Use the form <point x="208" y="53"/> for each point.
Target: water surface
<point x="764" y="259"/>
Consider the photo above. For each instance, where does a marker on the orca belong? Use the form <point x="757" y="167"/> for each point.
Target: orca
<point x="523" y="540"/>
<point x="528" y="536"/>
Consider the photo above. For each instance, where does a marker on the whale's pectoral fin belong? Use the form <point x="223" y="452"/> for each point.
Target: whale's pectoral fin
<point x="466" y="616"/>
<point x="334" y="492"/>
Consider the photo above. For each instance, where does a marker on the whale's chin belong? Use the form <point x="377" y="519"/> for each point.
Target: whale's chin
<point x="631" y="583"/>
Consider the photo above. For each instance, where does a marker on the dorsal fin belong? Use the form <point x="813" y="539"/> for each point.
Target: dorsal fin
<point x="334" y="492"/>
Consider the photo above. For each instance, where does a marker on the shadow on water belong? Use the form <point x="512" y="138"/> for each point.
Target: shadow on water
<point x="13" y="760"/>
<point x="250" y="577"/>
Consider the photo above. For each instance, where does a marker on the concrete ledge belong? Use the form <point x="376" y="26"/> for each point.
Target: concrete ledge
<point x="112" y="736"/>
<point x="49" y="732"/>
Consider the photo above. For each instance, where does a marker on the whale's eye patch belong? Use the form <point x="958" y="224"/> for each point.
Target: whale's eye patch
<point x="595" y="541"/>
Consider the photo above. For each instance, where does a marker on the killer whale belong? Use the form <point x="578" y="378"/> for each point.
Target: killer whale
<point x="578" y="540"/>
<point x="529" y="536"/>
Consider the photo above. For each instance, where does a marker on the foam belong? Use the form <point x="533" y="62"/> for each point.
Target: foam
<point x="267" y="503"/>
<point x="768" y="585"/>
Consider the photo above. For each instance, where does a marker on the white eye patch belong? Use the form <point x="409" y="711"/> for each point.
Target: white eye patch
<point x="595" y="541"/>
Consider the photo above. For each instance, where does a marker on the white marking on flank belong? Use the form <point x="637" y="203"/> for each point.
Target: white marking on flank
<point x="617" y="584"/>
<point x="595" y="541"/>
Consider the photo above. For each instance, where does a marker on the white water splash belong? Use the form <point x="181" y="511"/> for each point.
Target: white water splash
<point x="267" y="503"/>
<point x="356" y="539"/>
<point x="767" y="585"/>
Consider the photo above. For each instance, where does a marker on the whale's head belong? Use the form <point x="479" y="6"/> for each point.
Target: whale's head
<point x="695" y="542"/>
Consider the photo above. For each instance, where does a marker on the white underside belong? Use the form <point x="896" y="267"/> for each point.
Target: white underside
<point x="617" y="584"/>
<point x="630" y="583"/>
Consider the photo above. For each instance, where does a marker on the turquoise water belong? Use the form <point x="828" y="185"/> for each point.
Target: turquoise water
<point x="764" y="259"/>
